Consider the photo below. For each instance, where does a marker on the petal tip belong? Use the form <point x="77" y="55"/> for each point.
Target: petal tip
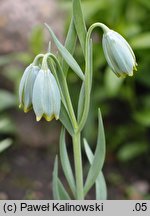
<point x="56" y="117"/>
<point x="49" y="118"/>
<point x="38" y="118"/>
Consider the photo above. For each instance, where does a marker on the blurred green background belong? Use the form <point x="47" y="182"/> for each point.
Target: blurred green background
<point x="27" y="148"/>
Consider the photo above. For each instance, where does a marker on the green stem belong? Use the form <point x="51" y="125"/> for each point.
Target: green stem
<point x="69" y="103"/>
<point x="66" y="93"/>
<point x="78" y="166"/>
<point x="35" y="62"/>
<point x="89" y="71"/>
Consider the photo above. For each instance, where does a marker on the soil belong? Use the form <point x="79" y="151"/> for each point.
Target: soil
<point x="26" y="173"/>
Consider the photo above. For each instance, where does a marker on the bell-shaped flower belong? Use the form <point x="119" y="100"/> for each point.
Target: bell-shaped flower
<point x="46" y="98"/>
<point x="26" y="87"/>
<point x="119" y="54"/>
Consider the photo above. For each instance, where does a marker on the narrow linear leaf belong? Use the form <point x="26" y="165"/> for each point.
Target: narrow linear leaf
<point x="66" y="55"/>
<point x="62" y="191"/>
<point x="101" y="189"/>
<point x="70" y="43"/>
<point x="63" y="87"/>
<point x="56" y="195"/>
<point x="99" y="156"/>
<point x="88" y="151"/>
<point x="79" y="23"/>
<point x="65" y="162"/>
<point x="65" y="120"/>
<point x="81" y="101"/>
<point x="100" y="185"/>
<point x="83" y="108"/>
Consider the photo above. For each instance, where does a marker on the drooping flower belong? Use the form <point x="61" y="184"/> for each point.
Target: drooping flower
<point x="26" y="87"/>
<point x="119" y="54"/>
<point x="46" y="98"/>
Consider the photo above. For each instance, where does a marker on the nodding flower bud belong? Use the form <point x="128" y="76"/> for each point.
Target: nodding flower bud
<point x="38" y="89"/>
<point x="26" y="87"/>
<point x="46" y="96"/>
<point x="119" y="54"/>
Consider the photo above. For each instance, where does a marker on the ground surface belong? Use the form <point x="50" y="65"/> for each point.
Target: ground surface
<point x="25" y="173"/>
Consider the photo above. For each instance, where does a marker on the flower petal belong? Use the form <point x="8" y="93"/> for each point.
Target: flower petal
<point x="28" y="88"/>
<point x="51" y="97"/>
<point x="48" y="97"/>
<point x="38" y="92"/>
<point x="22" y="83"/>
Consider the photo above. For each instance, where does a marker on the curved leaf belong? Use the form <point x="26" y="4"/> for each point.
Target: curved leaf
<point x="70" y="43"/>
<point x="55" y="180"/>
<point x="65" y="120"/>
<point x="66" y="55"/>
<point x="101" y="189"/>
<point x="100" y="185"/>
<point x="62" y="191"/>
<point x="99" y="156"/>
<point x="65" y="162"/>
<point x="81" y="101"/>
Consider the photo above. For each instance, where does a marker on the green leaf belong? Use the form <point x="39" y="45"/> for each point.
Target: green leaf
<point x="101" y="190"/>
<point x="59" y="192"/>
<point x="62" y="191"/>
<point x="99" y="156"/>
<point x="66" y="55"/>
<point x="84" y="106"/>
<point x="132" y="150"/>
<point x="70" y="43"/>
<point x="59" y="78"/>
<point x="7" y="100"/>
<point x="5" y="144"/>
<point x="65" y="162"/>
<point x="65" y="120"/>
<point x="91" y="8"/>
<point x="79" y="23"/>
<point x="81" y="101"/>
<point x="56" y="195"/>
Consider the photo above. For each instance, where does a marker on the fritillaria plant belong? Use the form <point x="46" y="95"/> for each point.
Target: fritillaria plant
<point x="44" y="88"/>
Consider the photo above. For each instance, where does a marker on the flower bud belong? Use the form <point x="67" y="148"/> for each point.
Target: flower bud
<point x="26" y="87"/>
<point x="46" y="96"/>
<point x="119" y="54"/>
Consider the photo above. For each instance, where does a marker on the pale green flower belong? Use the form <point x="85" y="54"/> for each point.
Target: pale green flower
<point x="119" y="54"/>
<point x="26" y="87"/>
<point x="46" y="96"/>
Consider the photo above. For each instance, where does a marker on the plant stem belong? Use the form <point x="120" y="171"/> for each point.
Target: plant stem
<point x="69" y="103"/>
<point x="66" y="94"/>
<point x="78" y="166"/>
